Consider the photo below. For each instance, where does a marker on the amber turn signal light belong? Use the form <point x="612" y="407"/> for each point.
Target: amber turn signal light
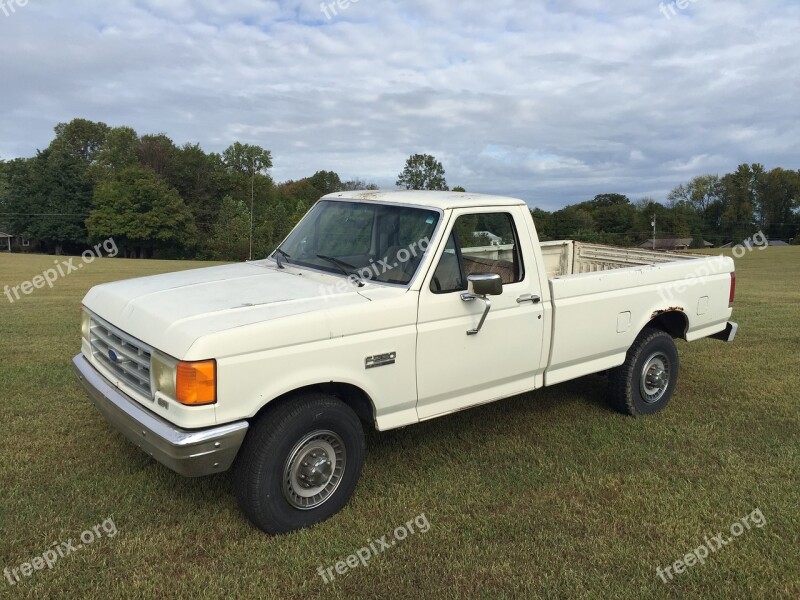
<point x="196" y="382"/>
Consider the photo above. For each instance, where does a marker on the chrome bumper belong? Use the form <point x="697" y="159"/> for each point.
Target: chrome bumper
<point x="727" y="334"/>
<point x="192" y="453"/>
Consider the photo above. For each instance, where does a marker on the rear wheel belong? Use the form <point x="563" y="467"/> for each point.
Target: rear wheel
<point x="645" y="382"/>
<point x="300" y="463"/>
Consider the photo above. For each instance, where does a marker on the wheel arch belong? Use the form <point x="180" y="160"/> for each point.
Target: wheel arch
<point x="353" y="396"/>
<point x="672" y="321"/>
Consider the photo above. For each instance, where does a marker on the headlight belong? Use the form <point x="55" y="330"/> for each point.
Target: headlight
<point x="86" y="325"/>
<point x="190" y="383"/>
<point x="162" y="369"/>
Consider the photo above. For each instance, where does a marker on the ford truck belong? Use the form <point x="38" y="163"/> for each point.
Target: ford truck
<point x="380" y="309"/>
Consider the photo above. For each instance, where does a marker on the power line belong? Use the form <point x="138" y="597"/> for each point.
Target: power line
<point x="15" y="214"/>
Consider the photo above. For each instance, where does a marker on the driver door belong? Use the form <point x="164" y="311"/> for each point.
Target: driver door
<point x="456" y="370"/>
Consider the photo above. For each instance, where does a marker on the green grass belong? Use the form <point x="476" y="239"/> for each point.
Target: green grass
<point x="548" y="494"/>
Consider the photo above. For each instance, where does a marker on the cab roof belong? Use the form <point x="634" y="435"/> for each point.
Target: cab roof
<point x="433" y="199"/>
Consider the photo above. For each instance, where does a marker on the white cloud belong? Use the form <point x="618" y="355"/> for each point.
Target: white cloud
<point x="550" y="101"/>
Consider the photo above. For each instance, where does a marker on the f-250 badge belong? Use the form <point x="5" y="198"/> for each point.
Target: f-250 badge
<point x="380" y="360"/>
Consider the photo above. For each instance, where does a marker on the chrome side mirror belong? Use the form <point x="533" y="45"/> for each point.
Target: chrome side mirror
<point x="485" y="284"/>
<point x="479" y="286"/>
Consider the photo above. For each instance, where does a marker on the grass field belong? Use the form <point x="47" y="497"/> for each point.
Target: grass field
<point x="549" y="494"/>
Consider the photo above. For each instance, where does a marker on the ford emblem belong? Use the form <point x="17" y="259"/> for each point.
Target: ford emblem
<point x="112" y="355"/>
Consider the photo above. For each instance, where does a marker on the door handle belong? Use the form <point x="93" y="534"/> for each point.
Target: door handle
<point x="529" y="298"/>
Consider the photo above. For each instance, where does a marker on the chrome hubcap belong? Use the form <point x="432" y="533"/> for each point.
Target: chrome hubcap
<point x="314" y="469"/>
<point x="655" y="377"/>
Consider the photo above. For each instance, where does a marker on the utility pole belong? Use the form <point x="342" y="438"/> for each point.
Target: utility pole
<point x="252" y="195"/>
<point x="654" y="230"/>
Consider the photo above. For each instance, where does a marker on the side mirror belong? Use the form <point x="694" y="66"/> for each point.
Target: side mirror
<point x="485" y="284"/>
<point x="479" y="286"/>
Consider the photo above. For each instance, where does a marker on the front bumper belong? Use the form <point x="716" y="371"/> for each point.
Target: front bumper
<point x="192" y="453"/>
<point x="727" y="334"/>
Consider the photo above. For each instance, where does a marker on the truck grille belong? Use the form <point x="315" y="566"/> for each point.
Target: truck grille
<point x="122" y="354"/>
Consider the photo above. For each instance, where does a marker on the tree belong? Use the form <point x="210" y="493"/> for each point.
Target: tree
<point x="458" y="188"/>
<point x="542" y="220"/>
<point x="202" y="180"/>
<point x="569" y="221"/>
<point x="701" y="192"/>
<point x="697" y="241"/>
<point x="302" y="189"/>
<point x="700" y="196"/>
<point x="777" y="198"/>
<point x="422" y="172"/>
<point x="250" y="160"/>
<point x="49" y="197"/>
<point x="118" y="151"/>
<point x="357" y="184"/>
<point x="141" y="212"/>
<point x="612" y="213"/>
<point x="326" y="182"/>
<point x="51" y="193"/>
<point x="3" y="178"/>
<point x="80" y="138"/>
<point x="738" y="193"/>
<point x="158" y="153"/>
<point x="229" y="236"/>
<point x="273" y="228"/>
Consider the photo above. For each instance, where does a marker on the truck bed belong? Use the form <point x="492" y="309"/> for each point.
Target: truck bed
<point x="567" y="257"/>
<point x="603" y="294"/>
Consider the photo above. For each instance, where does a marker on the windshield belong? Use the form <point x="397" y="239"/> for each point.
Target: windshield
<point x="367" y="240"/>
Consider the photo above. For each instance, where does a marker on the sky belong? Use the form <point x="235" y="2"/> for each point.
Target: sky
<point x="553" y="101"/>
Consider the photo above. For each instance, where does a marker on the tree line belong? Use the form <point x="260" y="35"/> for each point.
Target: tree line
<point x="155" y="198"/>
<point x="709" y="208"/>
<point x="158" y="199"/>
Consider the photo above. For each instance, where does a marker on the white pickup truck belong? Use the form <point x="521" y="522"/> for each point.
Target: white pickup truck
<point x="380" y="309"/>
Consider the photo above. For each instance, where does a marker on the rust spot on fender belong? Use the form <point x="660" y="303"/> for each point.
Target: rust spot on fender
<point x="657" y="313"/>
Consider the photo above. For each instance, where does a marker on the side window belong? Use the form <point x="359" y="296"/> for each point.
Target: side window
<point x="479" y="243"/>
<point x="448" y="276"/>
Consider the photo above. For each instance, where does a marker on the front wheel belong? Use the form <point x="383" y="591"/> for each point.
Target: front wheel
<point x="645" y="382"/>
<point x="300" y="463"/>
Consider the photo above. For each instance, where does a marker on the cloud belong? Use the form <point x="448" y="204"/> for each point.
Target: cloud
<point x="553" y="102"/>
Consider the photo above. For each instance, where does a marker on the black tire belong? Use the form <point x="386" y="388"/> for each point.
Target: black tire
<point x="645" y="382"/>
<point x="312" y="440"/>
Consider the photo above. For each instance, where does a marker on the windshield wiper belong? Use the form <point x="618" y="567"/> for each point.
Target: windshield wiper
<point x="278" y="253"/>
<point x="343" y="266"/>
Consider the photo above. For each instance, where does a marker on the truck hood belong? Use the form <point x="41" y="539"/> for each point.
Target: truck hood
<point x="171" y="311"/>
